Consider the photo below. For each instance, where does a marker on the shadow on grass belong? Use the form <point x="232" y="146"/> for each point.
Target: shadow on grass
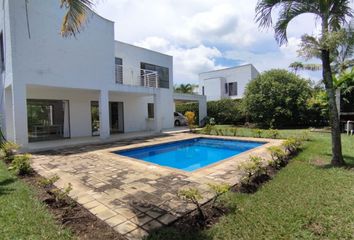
<point x="349" y="163"/>
<point x="3" y="185"/>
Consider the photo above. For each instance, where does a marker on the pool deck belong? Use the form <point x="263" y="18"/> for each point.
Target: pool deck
<point x="132" y="196"/>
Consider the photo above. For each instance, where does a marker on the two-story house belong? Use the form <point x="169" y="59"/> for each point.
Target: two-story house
<point x="228" y="83"/>
<point x="55" y="88"/>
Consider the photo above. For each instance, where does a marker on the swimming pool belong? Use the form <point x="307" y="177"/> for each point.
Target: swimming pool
<point x="191" y="154"/>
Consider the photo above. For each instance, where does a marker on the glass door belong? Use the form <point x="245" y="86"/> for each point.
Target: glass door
<point x="116" y="117"/>
<point x="95" y="119"/>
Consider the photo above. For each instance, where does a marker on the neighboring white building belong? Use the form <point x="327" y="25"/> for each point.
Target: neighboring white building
<point x="228" y="83"/>
<point x="58" y="88"/>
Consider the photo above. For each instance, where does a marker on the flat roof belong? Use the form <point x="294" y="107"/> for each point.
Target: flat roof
<point x="240" y="66"/>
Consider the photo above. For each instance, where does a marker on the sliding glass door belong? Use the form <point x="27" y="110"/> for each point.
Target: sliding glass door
<point x="47" y="119"/>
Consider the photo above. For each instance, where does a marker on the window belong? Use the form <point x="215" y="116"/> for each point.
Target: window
<point x="203" y="91"/>
<point x="232" y="88"/>
<point x="151" y="113"/>
<point x="119" y="70"/>
<point x="2" y="53"/>
<point x="162" y="72"/>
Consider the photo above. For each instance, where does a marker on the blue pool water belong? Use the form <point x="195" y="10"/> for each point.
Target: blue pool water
<point x="189" y="155"/>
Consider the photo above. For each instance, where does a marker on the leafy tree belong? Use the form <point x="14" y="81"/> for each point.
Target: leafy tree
<point x="277" y="98"/>
<point x="332" y="14"/>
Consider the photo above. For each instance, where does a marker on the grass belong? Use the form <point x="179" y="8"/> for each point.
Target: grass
<point x="22" y="216"/>
<point x="308" y="199"/>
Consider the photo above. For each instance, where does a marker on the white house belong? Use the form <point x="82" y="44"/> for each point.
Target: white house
<point x="58" y="88"/>
<point x="228" y="83"/>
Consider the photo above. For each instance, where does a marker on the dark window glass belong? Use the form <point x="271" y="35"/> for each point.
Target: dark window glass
<point x="151" y="113"/>
<point x="163" y="74"/>
<point x="119" y="70"/>
<point x="203" y="90"/>
<point x="347" y="102"/>
<point x="233" y="89"/>
<point x="2" y="52"/>
<point x="226" y="88"/>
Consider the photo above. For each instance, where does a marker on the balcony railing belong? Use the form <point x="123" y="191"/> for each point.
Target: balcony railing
<point x="136" y="77"/>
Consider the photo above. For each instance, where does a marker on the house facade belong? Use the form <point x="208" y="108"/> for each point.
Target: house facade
<point x="88" y="85"/>
<point x="228" y="83"/>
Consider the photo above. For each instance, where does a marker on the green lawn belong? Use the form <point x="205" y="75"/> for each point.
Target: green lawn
<point x="303" y="201"/>
<point x="22" y="216"/>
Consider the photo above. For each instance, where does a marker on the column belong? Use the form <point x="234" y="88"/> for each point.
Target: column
<point x="157" y="113"/>
<point x="202" y="109"/>
<point x="19" y="114"/>
<point x="104" y="114"/>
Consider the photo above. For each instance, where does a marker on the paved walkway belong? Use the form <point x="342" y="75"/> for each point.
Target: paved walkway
<point x="132" y="196"/>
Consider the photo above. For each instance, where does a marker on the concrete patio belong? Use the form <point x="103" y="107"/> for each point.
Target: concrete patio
<point x="132" y="196"/>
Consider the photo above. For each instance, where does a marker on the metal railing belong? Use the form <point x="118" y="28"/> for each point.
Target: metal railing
<point x="136" y="77"/>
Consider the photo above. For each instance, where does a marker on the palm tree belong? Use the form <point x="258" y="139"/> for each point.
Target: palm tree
<point x="75" y="16"/>
<point x="184" y="88"/>
<point x="296" y="66"/>
<point x="332" y="14"/>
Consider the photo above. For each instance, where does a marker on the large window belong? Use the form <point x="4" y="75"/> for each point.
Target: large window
<point x="232" y="89"/>
<point x="119" y="70"/>
<point x="163" y="74"/>
<point x="47" y="119"/>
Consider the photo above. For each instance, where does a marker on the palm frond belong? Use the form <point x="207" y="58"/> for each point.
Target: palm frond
<point x="75" y="16"/>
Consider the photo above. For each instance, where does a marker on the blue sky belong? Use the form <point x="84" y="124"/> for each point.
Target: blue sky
<point x="204" y="35"/>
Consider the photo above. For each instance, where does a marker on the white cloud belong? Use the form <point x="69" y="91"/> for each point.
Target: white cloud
<point x="187" y="61"/>
<point x="197" y="32"/>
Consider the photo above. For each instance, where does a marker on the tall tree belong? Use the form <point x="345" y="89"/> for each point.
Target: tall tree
<point x="75" y="15"/>
<point x="332" y="14"/>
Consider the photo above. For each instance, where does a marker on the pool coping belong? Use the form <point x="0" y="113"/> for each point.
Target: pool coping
<point x="111" y="152"/>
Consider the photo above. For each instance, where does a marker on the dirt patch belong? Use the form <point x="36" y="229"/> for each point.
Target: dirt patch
<point x="69" y="214"/>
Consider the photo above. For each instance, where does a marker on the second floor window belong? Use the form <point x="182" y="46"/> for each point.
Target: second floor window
<point x="162" y="72"/>
<point x="119" y="70"/>
<point x="232" y="88"/>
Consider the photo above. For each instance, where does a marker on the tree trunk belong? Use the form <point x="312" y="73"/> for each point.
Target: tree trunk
<point x="337" y="158"/>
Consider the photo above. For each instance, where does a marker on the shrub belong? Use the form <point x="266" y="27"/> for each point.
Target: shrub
<point x="273" y="133"/>
<point x="277" y="98"/>
<point x="208" y="129"/>
<point x="61" y="195"/>
<point x="218" y="190"/>
<point x="47" y="182"/>
<point x="9" y="149"/>
<point x="190" y="119"/>
<point x="257" y="132"/>
<point x="252" y="168"/>
<point x="292" y="145"/>
<point x="278" y="156"/>
<point x="21" y="165"/>
<point x="192" y="195"/>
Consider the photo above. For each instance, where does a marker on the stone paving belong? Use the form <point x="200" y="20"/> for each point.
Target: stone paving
<point x="132" y="196"/>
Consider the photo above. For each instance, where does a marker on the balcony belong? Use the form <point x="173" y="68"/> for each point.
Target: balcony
<point x="136" y="77"/>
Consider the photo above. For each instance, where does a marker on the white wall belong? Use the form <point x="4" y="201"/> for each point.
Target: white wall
<point x="45" y="57"/>
<point x="132" y="57"/>
<point x="241" y="74"/>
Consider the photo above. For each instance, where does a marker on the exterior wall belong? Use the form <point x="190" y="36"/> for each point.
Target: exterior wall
<point x="40" y="64"/>
<point x="214" y="81"/>
<point x="46" y="58"/>
<point x="132" y="57"/>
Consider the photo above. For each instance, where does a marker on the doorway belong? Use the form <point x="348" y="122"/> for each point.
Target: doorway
<point x="116" y="117"/>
